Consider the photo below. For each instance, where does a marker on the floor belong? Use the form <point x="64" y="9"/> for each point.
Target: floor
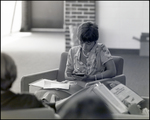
<point x="136" y="70"/>
<point x="33" y="52"/>
<point x="37" y="52"/>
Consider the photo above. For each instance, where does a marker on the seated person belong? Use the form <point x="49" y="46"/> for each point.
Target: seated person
<point x="9" y="99"/>
<point x="91" y="58"/>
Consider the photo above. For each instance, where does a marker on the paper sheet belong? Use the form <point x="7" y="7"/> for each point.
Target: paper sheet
<point x="45" y="83"/>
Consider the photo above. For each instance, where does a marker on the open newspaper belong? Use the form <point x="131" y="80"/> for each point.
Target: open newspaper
<point x="118" y="95"/>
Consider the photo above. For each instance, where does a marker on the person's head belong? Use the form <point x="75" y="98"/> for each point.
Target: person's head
<point x="86" y="107"/>
<point x="88" y="35"/>
<point x="8" y="71"/>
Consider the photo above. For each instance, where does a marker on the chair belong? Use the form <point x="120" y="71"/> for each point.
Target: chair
<point x="58" y="74"/>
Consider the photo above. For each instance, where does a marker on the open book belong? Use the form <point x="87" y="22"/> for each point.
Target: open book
<point x="117" y="95"/>
<point x="111" y="100"/>
<point x="123" y="93"/>
<point x="47" y="84"/>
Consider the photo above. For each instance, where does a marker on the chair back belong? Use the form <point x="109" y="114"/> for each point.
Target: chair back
<point x="119" y="62"/>
<point x="62" y="66"/>
<point x="61" y="76"/>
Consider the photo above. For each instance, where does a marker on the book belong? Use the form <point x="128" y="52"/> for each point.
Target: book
<point x="111" y="100"/>
<point x="123" y="93"/>
<point x="50" y="84"/>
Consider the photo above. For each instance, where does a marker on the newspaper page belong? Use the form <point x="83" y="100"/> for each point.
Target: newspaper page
<point x="123" y="93"/>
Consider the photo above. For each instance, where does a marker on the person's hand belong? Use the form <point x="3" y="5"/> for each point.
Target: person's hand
<point x="79" y="78"/>
<point x="88" y="78"/>
<point x="65" y="81"/>
<point x="70" y="82"/>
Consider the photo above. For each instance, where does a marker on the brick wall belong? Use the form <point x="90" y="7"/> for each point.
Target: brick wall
<point x="77" y="12"/>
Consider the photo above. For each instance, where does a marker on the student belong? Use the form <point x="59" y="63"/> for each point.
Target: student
<point x="85" y="106"/>
<point x="9" y="99"/>
<point x="91" y="58"/>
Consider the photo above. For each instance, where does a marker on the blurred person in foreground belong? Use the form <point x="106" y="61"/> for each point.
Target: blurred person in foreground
<point x="85" y="106"/>
<point x="9" y="99"/>
<point x="90" y="58"/>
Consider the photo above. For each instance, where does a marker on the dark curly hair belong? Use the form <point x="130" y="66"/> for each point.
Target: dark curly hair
<point x="8" y="71"/>
<point x="88" y="32"/>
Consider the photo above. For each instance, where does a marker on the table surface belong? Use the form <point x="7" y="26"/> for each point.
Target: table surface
<point x="62" y="93"/>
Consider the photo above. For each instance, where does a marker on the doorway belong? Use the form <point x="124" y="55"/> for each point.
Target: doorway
<point x="44" y="15"/>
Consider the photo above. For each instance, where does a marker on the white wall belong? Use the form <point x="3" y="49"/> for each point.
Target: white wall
<point x="120" y="21"/>
<point x="7" y="10"/>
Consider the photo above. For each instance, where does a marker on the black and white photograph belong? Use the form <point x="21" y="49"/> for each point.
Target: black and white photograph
<point x="75" y="59"/>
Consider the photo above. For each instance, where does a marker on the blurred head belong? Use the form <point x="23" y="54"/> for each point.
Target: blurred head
<point x="88" y="35"/>
<point x="86" y="107"/>
<point x="8" y="71"/>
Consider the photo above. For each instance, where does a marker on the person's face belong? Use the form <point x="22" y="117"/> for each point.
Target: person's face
<point x="87" y="46"/>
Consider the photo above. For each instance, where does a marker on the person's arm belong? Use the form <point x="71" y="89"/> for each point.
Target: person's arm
<point x="68" y="74"/>
<point x="109" y="72"/>
<point x="70" y="68"/>
<point x="107" y="61"/>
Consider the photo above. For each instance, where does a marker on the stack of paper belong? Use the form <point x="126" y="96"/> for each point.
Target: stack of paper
<point x="45" y="84"/>
<point x="55" y="84"/>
